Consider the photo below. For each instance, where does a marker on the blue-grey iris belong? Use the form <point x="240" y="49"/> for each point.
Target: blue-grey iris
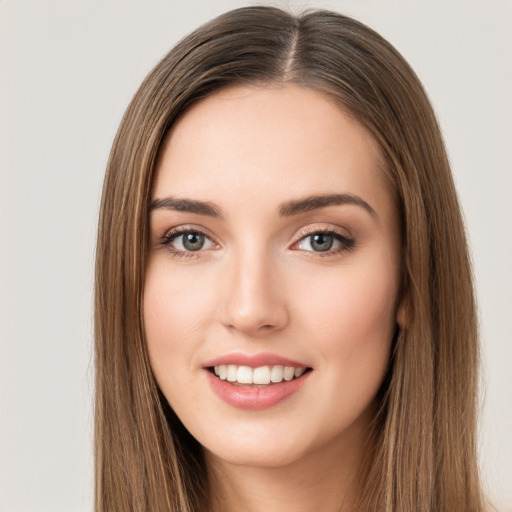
<point x="321" y="242"/>
<point x="193" y="241"/>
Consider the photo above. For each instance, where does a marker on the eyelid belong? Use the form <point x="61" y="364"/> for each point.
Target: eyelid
<point x="315" y="228"/>
<point x="187" y="228"/>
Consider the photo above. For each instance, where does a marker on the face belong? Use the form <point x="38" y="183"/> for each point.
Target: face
<point x="271" y="289"/>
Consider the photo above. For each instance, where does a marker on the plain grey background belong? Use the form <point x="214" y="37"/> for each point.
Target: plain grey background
<point x="68" y="69"/>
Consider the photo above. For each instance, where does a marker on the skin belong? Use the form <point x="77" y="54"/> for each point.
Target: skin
<point x="258" y="285"/>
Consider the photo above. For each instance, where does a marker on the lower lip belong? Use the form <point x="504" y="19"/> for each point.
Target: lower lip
<point x="255" y="398"/>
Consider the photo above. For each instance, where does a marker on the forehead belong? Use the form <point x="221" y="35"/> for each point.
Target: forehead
<point x="268" y="142"/>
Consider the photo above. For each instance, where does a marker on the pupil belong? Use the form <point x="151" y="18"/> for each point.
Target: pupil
<point x="321" y="243"/>
<point x="193" y="241"/>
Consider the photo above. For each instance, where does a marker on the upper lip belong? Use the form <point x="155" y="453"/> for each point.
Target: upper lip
<point x="254" y="360"/>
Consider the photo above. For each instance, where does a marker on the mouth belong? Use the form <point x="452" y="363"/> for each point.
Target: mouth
<point x="256" y="381"/>
<point x="259" y="377"/>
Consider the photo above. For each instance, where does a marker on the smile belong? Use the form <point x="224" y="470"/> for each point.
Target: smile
<point x="256" y="387"/>
<point x="262" y="375"/>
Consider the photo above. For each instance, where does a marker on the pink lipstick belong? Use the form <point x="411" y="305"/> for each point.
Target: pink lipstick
<point x="257" y="381"/>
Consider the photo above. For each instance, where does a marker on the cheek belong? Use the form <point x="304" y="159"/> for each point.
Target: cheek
<point x="343" y="303"/>
<point x="351" y="316"/>
<point x="175" y="320"/>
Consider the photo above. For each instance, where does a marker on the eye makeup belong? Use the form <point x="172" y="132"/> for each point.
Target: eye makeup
<point x="321" y="241"/>
<point x="189" y="241"/>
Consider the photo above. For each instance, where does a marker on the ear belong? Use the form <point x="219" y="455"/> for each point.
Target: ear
<point x="401" y="312"/>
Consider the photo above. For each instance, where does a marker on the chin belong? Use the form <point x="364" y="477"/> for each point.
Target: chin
<point x="254" y="455"/>
<point x="287" y="443"/>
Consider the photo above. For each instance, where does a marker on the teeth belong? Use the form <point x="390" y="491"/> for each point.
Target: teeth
<point x="276" y="374"/>
<point x="231" y="373"/>
<point x="289" y="373"/>
<point x="244" y="375"/>
<point x="261" y="375"/>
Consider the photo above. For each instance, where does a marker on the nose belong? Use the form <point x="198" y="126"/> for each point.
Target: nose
<point x="255" y="300"/>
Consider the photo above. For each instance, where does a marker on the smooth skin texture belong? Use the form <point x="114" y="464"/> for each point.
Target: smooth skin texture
<point x="258" y="283"/>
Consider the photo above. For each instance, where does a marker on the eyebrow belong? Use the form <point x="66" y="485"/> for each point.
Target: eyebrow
<point x="315" y="202"/>
<point x="287" y="209"/>
<point x="187" y="205"/>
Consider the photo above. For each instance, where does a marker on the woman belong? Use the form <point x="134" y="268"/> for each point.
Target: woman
<point x="284" y="305"/>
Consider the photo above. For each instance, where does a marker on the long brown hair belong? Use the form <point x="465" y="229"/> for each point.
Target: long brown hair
<point x="424" y="454"/>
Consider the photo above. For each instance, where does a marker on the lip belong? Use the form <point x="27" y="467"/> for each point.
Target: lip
<point x="254" y="397"/>
<point x="255" y="360"/>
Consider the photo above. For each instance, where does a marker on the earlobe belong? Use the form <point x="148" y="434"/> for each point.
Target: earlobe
<point x="401" y="313"/>
<point x="400" y="317"/>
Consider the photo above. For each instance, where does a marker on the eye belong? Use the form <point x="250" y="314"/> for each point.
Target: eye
<point x="329" y="242"/>
<point x="187" y="241"/>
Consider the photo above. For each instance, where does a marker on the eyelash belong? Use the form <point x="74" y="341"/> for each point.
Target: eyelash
<point x="347" y="243"/>
<point x="169" y="237"/>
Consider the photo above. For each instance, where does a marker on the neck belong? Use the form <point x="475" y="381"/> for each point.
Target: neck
<point x="327" y="480"/>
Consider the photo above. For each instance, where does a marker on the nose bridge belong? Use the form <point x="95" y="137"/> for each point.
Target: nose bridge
<point x="255" y="303"/>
